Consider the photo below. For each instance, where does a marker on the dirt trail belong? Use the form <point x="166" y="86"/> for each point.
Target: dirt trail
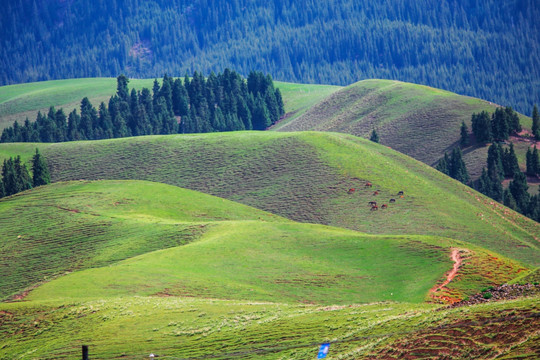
<point x="452" y="274"/>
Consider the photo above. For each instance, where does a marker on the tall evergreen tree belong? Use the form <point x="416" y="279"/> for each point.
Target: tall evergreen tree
<point x="458" y="170"/>
<point x="519" y="189"/>
<point x="464" y="139"/>
<point x="536" y="123"/>
<point x="40" y="170"/>
<point x="374" y="136"/>
<point x="481" y="127"/>
<point x="510" y="162"/>
<point x="494" y="163"/>
<point x="122" y="87"/>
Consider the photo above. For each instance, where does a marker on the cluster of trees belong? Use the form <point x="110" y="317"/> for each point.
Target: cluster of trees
<point x="223" y="102"/>
<point x="16" y="178"/>
<point x="482" y="48"/>
<point x="496" y="127"/>
<point x="503" y="164"/>
<point x="454" y="166"/>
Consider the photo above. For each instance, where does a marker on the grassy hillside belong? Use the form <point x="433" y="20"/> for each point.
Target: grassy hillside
<point x="419" y="121"/>
<point x="141" y="238"/>
<point x="18" y="102"/>
<point x="79" y="225"/>
<point x="306" y="177"/>
<point x="132" y="328"/>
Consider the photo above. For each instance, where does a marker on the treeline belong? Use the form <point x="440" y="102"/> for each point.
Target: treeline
<point x="502" y="163"/>
<point x="496" y="127"/>
<point x="222" y="102"/>
<point x="482" y="48"/>
<point x="16" y="178"/>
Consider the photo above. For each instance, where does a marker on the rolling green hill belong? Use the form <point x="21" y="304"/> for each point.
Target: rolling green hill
<point x="306" y="177"/>
<point x="79" y="225"/>
<point x="178" y="273"/>
<point x="419" y="121"/>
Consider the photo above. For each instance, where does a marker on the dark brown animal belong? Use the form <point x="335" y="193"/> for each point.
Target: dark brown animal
<point x="352" y="190"/>
<point x="371" y="203"/>
<point x="400" y="193"/>
<point x="384" y="206"/>
<point x="374" y="207"/>
<point x="392" y="200"/>
<point x="368" y="184"/>
<point x="376" y="193"/>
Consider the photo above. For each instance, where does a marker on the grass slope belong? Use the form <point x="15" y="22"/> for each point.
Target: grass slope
<point x="305" y="177"/>
<point x="81" y="225"/>
<point x="417" y="120"/>
<point x="21" y="101"/>
<point x="140" y="238"/>
<point x="200" y="329"/>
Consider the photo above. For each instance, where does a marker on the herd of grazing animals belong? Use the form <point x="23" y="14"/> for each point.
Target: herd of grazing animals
<point x="372" y="203"/>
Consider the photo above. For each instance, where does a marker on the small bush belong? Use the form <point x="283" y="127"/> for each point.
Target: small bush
<point x="487" y="295"/>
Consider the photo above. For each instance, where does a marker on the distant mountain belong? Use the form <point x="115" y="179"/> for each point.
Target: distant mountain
<point x="483" y="48"/>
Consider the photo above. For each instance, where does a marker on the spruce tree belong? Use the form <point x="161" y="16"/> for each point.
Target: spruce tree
<point x="494" y="163"/>
<point x="518" y="187"/>
<point x="536" y="123"/>
<point x="40" y="170"/>
<point x="443" y="165"/>
<point x="22" y="175"/>
<point x="374" y="136"/>
<point x="484" y="184"/>
<point x="122" y="87"/>
<point x="535" y="161"/>
<point x="464" y="140"/>
<point x="509" y="200"/>
<point x="457" y="167"/>
<point x="481" y="127"/>
<point x="510" y="162"/>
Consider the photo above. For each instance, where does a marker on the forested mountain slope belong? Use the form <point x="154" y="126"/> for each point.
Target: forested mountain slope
<point x="484" y="48"/>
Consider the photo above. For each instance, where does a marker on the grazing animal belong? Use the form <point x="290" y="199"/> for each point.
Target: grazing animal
<point x="384" y="206"/>
<point x="352" y="190"/>
<point x="392" y="200"/>
<point x="372" y="203"/>
<point x="400" y="193"/>
<point x="376" y="193"/>
<point x="368" y="184"/>
<point x="374" y="207"/>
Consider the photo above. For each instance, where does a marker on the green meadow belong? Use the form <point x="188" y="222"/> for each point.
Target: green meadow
<point x="262" y="244"/>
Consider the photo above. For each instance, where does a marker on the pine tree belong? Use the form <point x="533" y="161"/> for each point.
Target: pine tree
<point x="122" y="87"/>
<point x="535" y="161"/>
<point x="536" y="123"/>
<point x="40" y="170"/>
<point x="464" y="140"/>
<point x="484" y="184"/>
<point x="457" y="167"/>
<point x="510" y="162"/>
<point x="374" y="136"/>
<point x="494" y="163"/>
<point x="518" y="187"/>
<point x="443" y="165"/>
<point x="509" y="200"/>
<point x="22" y="175"/>
<point x="481" y="127"/>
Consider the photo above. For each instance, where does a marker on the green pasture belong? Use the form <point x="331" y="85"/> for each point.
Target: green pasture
<point x="81" y="225"/>
<point x="306" y="177"/>
<point x="187" y="328"/>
